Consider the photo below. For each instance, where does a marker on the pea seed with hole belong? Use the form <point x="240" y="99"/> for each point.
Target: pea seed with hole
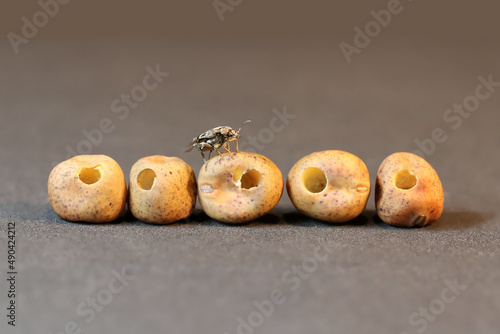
<point x="333" y="186"/>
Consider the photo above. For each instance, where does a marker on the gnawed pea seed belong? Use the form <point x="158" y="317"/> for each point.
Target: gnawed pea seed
<point x="317" y="175"/>
<point x="239" y="187"/>
<point x="162" y="189"/>
<point x="408" y="191"/>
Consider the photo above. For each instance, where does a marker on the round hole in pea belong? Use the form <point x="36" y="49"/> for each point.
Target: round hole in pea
<point x="146" y="179"/>
<point x="314" y="179"/>
<point x="89" y="175"/>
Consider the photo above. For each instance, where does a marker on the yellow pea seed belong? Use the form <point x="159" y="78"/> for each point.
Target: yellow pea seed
<point x="333" y="186"/>
<point x="408" y="191"/>
<point x="239" y="187"/>
<point x="162" y="189"/>
<point x="88" y="188"/>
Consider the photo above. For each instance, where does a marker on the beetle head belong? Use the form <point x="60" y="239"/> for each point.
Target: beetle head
<point x="233" y="134"/>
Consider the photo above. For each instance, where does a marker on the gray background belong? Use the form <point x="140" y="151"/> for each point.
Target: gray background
<point x="200" y="276"/>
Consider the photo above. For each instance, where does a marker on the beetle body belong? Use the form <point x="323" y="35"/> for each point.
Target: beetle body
<point x="214" y="139"/>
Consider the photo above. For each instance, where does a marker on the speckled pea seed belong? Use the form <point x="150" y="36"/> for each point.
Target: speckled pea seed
<point x="333" y="186"/>
<point x="239" y="187"/>
<point x="408" y="191"/>
<point x="162" y="189"/>
<point x="89" y="188"/>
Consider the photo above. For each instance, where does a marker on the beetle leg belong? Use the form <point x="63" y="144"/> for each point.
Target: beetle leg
<point x="226" y="147"/>
<point x="204" y="147"/>
<point x="206" y="161"/>
<point x="237" y="150"/>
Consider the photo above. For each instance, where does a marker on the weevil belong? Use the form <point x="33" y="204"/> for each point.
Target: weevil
<point x="214" y="139"/>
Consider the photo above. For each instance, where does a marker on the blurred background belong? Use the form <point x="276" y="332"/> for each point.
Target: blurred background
<point x="368" y="77"/>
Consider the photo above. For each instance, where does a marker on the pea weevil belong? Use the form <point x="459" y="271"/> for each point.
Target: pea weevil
<point x="214" y="139"/>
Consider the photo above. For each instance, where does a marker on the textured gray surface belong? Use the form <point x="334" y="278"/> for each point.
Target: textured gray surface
<point x="199" y="277"/>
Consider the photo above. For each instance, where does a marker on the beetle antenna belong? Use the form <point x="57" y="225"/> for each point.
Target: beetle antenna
<point x="245" y="122"/>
